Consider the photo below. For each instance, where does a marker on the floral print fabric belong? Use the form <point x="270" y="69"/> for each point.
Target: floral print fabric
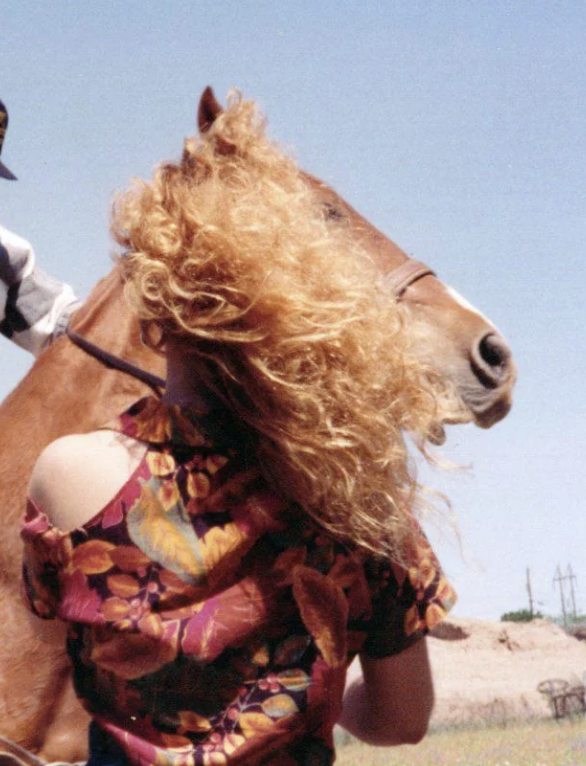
<point x="208" y="623"/>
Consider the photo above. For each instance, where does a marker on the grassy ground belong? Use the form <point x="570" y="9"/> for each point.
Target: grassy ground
<point x="542" y="743"/>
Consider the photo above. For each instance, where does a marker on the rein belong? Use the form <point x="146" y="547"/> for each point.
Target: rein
<point x="12" y="753"/>
<point x="114" y="362"/>
<point x="397" y="280"/>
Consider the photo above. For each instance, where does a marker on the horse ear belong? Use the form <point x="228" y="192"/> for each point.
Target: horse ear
<point x="208" y="111"/>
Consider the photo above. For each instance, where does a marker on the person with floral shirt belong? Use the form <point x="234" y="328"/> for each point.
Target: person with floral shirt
<point x="220" y="557"/>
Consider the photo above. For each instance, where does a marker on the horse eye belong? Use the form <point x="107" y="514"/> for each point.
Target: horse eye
<point x="332" y="213"/>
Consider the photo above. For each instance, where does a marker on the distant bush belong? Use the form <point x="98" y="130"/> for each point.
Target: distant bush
<point x="521" y="615"/>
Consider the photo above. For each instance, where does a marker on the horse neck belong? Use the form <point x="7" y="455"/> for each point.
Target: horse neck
<point x="108" y="323"/>
<point x="106" y="320"/>
<point x="67" y="391"/>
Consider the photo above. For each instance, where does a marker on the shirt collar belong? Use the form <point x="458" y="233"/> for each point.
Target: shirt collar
<point x="156" y="422"/>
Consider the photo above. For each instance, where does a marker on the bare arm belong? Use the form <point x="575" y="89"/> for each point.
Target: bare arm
<point x="391" y="703"/>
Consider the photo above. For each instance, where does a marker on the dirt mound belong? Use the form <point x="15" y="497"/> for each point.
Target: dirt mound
<point x="489" y="671"/>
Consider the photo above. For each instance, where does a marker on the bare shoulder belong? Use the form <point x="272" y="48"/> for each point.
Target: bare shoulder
<point x="85" y="453"/>
<point x="75" y="476"/>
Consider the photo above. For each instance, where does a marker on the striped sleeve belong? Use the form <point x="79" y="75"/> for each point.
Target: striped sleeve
<point x="34" y="307"/>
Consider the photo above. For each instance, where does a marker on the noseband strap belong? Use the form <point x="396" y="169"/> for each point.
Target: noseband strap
<point x="399" y="279"/>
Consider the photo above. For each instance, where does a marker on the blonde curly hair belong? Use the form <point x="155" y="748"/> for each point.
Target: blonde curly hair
<point x="230" y="248"/>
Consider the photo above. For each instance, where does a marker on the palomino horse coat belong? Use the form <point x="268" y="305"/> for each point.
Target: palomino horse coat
<point x="67" y="391"/>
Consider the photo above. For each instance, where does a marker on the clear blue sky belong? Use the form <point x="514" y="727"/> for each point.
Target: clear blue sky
<point x="456" y="127"/>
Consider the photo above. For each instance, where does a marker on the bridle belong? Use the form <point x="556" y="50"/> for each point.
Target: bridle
<point x="10" y="752"/>
<point x="114" y="362"/>
<point x="397" y="281"/>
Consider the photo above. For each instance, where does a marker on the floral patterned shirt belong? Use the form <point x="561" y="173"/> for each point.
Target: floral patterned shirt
<point x="207" y="623"/>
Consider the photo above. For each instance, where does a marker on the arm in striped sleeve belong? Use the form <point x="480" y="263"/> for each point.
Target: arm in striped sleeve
<point x="34" y="307"/>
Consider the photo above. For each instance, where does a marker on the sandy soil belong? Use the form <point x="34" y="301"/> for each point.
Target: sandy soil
<point x="488" y="672"/>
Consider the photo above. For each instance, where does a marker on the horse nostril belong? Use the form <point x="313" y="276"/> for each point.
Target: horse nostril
<point x="491" y="360"/>
<point x="494" y="351"/>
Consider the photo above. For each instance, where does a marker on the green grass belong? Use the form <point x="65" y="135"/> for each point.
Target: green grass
<point x="540" y="743"/>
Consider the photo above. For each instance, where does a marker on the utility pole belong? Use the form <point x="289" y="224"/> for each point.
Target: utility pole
<point x="571" y="577"/>
<point x="559" y="578"/>
<point x="530" y="593"/>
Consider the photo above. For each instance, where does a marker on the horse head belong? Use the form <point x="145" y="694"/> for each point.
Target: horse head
<point x="469" y="354"/>
<point x="463" y="346"/>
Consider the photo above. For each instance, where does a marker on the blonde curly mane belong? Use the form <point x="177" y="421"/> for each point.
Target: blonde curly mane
<point x="229" y="247"/>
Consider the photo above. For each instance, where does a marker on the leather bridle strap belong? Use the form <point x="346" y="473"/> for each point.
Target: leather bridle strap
<point x="399" y="279"/>
<point x="114" y="362"/>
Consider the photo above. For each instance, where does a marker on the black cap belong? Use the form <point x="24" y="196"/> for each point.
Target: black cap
<point x="4" y="172"/>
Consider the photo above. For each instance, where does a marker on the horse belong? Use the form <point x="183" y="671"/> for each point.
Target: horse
<point x="69" y="390"/>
